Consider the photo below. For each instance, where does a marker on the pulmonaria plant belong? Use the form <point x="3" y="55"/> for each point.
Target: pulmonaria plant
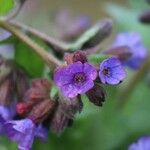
<point x="36" y="111"/>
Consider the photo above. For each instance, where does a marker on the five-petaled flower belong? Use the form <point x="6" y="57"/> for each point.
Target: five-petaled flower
<point x="76" y="78"/>
<point x="111" y="71"/>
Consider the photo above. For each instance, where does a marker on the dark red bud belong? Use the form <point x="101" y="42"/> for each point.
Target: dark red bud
<point x="75" y="57"/>
<point x="21" y="108"/>
<point x="41" y="83"/>
<point x="36" y="94"/>
<point x="145" y="17"/>
<point x="96" y="95"/>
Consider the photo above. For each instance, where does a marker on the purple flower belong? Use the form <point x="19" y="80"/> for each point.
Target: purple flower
<point x="23" y="133"/>
<point x="142" y="144"/>
<point x="41" y="132"/>
<point x="111" y="71"/>
<point x="82" y="23"/>
<point x="134" y="42"/>
<point x="7" y="51"/>
<point x="6" y="113"/>
<point x="76" y="78"/>
<point x="4" y="34"/>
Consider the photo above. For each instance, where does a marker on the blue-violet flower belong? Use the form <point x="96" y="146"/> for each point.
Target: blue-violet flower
<point x="111" y="71"/>
<point x="134" y="42"/>
<point x="76" y="78"/>
<point x="23" y="133"/>
<point x="6" y="113"/>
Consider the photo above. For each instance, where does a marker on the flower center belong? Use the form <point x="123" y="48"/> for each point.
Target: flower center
<point x="79" y="77"/>
<point x="106" y="71"/>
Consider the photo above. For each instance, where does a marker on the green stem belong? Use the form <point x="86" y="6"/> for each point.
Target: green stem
<point x="127" y="92"/>
<point x="47" y="57"/>
<point x="56" y="44"/>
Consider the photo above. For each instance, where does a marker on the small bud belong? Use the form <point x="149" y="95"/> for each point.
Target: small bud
<point x="145" y="17"/>
<point x="36" y="94"/>
<point x="96" y="95"/>
<point x="21" y="108"/>
<point x="41" y="83"/>
<point x="39" y="90"/>
<point x="42" y="110"/>
<point x="59" y="121"/>
<point x="122" y="52"/>
<point x="70" y="106"/>
<point x="75" y="57"/>
<point x="65" y="113"/>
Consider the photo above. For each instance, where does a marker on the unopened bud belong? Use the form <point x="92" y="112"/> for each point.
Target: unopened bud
<point x="96" y="95"/>
<point x="41" y="84"/>
<point x="21" y="108"/>
<point x="75" y="57"/>
<point x="70" y="106"/>
<point x="145" y="17"/>
<point x="59" y="121"/>
<point x="122" y="52"/>
<point x="42" y="110"/>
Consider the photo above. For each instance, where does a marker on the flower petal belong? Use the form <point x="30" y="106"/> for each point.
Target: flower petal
<point x="62" y="76"/>
<point x="69" y="90"/>
<point x="90" y="71"/>
<point x="75" y="67"/>
<point x="86" y="87"/>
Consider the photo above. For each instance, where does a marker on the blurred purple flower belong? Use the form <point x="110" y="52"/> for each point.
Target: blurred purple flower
<point x="4" y="34"/>
<point x="111" y="71"/>
<point x="6" y="113"/>
<point x="134" y="42"/>
<point x="41" y="132"/>
<point x="23" y="133"/>
<point x="142" y="144"/>
<point x="76" y="78"/>
<point x="7" y="51"/>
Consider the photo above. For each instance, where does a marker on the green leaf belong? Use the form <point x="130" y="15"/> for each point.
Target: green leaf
<point x="28" y="59"/>
<point x="97" y="58"/>
<point x="6" y="6"/>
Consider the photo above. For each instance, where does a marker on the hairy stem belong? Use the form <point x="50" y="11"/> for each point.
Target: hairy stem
<point x="54" y="43"/>
<point x="127" y="92"/>
<point x="47" y="57"/>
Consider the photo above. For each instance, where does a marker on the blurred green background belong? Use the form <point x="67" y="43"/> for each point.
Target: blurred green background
<point x="108" y="127"/>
